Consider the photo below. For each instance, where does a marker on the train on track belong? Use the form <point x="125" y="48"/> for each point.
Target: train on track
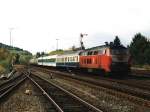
<point x="105" y="58"/>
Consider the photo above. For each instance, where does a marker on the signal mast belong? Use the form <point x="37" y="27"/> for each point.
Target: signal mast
<point x="81" y="42"/>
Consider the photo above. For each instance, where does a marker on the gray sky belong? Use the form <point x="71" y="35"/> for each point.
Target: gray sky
<point x="37" y="23"/>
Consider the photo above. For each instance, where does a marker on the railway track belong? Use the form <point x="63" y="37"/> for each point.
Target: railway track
<point x="8" y="86"/>
<point x="62" y="100"/>
<point x="125" y="83"/>
<point x="137" y="95"/>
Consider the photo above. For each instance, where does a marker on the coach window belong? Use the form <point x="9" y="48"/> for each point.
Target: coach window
<point x="67" y="59"/>
<point x="73" y="59"/>
<point x="70" y="59"/>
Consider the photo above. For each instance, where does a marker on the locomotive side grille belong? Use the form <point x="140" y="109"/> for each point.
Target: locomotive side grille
<point x="119" y="58"/>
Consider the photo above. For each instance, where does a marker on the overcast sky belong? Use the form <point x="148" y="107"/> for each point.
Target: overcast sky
<point x="38" y="23"/>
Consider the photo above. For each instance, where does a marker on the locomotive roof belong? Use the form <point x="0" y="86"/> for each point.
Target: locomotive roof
<point x="71" y="52"/>
<point x="97" y="47"/>
<point x="106" y="46"/>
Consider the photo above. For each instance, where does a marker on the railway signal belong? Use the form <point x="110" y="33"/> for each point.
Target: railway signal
<point x="81" y="42"/>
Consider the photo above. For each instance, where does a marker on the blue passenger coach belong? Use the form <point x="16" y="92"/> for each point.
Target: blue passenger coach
<point x="47" y="60"/>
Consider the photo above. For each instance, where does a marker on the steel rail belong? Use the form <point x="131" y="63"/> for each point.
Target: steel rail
<point x="6" y="82"/>
<point x="5" y="88"/>
<point x="126" y="95"/>
<point x="71" y="94"/>
<point x="11" y="88"/>
<point x="46" y="94"/>
<point x="144" y="94"/>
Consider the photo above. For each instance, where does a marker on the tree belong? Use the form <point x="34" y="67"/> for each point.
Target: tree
<point x="117" y="41"/>
<point x="147" y="56"/>
<point x="42" y="53"/>
<point x="38" y="54"/>
<point x="17" y="61"/>
<point x="139" y="49"/>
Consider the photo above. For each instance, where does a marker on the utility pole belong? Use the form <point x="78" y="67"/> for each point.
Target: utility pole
<point x="57" y="44"/>
<point x="10" y="31"/>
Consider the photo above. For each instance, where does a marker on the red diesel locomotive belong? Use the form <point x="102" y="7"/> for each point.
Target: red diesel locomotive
<point x="105" y="58"/>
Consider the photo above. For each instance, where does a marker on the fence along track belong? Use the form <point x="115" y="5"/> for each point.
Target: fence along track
<point x="63" y="100"/>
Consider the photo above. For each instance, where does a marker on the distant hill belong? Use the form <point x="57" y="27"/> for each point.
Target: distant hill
<point x="14" y="49"/>
<point x="60" y="51"/>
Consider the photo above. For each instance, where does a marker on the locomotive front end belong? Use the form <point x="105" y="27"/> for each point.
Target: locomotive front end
<point x="120" y="60"/>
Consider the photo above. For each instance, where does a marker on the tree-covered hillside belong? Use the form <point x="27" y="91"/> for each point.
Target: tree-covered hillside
<point x="10" y="55"/>
<point x="5" y="60"/>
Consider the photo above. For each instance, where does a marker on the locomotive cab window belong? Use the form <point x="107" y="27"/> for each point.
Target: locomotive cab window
<point x="95" y="52"/>
<point x="90" y="53"/>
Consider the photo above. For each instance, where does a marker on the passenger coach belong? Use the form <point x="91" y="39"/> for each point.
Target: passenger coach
<point x="69" y="59"/>
<point x="48" y="60"/>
